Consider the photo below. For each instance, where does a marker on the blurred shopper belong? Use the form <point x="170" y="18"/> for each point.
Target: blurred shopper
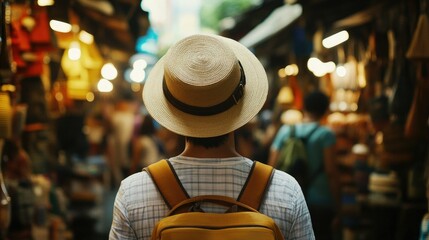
<point x="322" y="194"/>
<point x="205" y="88"/>
<point x="21" y="191"/>
<point x="147" y="148"/>
<point x="119" y="139"/>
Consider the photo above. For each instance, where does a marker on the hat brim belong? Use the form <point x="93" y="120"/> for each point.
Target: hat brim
<point x="254" y="97"/>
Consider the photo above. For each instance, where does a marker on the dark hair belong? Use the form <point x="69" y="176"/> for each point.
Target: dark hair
<point x="147" y="127"/>
<point x="209" y="142"/>
<point x="316" y="103"/>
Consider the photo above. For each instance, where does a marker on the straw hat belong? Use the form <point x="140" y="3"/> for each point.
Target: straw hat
<point x="205" y="86"/>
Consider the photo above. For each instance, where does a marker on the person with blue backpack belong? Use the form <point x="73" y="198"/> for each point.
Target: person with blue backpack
<point x="322" y="188"/>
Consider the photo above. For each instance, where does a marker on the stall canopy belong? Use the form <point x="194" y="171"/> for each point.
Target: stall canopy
<point x="279" y="19"/>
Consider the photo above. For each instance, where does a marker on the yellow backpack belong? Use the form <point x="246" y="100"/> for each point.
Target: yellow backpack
<point x="187" y="221"/>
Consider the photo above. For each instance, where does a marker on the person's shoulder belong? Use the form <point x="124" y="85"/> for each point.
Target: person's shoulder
<point x="327" y="131"/>
<point x="135" y="180"/>
<point x="284" y="181"/>
<point x="327" y="136"/>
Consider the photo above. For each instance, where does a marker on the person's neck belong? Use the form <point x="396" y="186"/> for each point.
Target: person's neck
<point x="308" y="117"/>
<point x="225" y="150"/>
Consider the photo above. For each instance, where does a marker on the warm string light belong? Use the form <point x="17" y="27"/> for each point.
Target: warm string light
<point x="320" y="68"/>
<point x="137" y="74"/>
<point x="335" y="39"/>
<point x="45" y="3"/>
<point x="86" y="37"/>
<point x="74" y="51"/>
<point x="109" y="71"/>
<point x="104" y="85"/>
<point x="291" y="70"/>
<point x="60" y="26"/>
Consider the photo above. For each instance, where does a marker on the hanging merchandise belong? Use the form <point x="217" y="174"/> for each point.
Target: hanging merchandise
<point x="419" y="47"/>
<point x="5" y="116"/>
<point x="389" y="72"/>
<point x="31" y="38"/>
<point x="416" y="124"/>
<point x="20" y="44"/>
<point x="91" y="61"/>
<point x="7" y="66"/>
<point x="5" y="133"/>
<point x="372" y="70"/>
<point x="375" y="99"/>
<point x="81" y="61"/>
<point x="40" y="34"/>
<point x="402" y="91"/>
<point x="351" y="67"/>
<point x="41" y="42"/>
<point x="83" y="72"/>
<point x="5" y="205"/>
<point x="345" y="80"/>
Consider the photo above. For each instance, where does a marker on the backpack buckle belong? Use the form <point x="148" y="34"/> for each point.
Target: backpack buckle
<point x="196" y="207"/>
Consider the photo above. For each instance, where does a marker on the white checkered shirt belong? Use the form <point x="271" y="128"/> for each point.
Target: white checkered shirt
<point x="139" y="206"/>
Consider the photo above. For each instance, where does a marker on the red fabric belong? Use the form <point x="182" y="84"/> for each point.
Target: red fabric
<point x="40" y="36"/>
<point x="35" y="68"/>
<point x="297" y="93"/>
<point x="20" y="37"/>
<point x="37" y="42"/>
<point x="20" y="43"/>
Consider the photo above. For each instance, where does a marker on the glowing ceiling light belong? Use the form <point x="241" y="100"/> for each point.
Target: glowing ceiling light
<point x="104" y="85"/>
<point x="44" y="3"/>
<point x="341" y="71"/>
<point x="59" y="26"/>
<point x="90" y="97"/>
<point x="109" y="72"/>
<point x="86" y="37"/>
<point x="74" y="51"/>
<point x="282" y="73"/>
<point x="330" y="67"/>
<point x="140" y="64"/>
<point x="291" y="70"/>
<point x="313" y="63"/>
<point x="335" y="39"/>
<point x="137" y="75"/>
<point x="320" y="68"/>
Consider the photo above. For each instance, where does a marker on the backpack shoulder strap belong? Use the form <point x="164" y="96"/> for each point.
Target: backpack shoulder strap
<point x="256" y="185"/>
<point x="167" y="182"/>
<point x="292" y="133"/>
<point x="312" y="131"/>
<point x="172" y="191"/>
